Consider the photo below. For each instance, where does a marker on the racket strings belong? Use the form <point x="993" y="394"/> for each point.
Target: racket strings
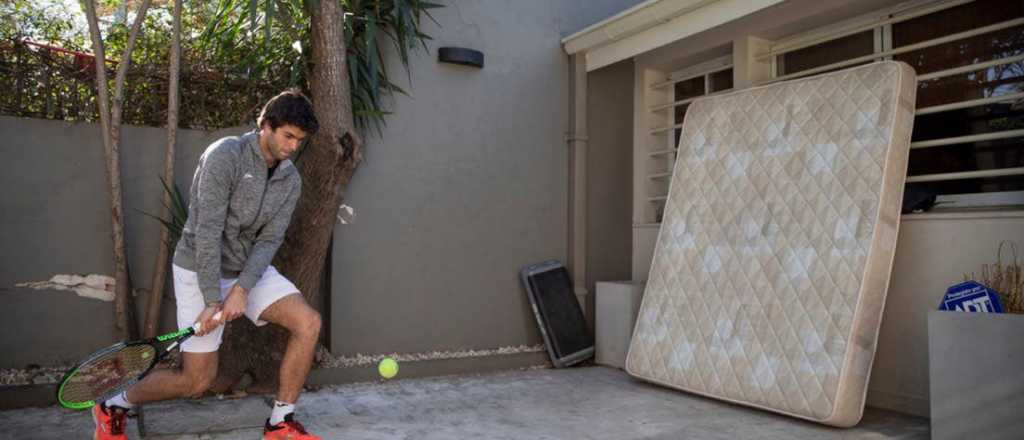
<point x="104" y="374"/>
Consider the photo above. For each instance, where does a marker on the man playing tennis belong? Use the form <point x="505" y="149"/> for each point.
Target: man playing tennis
<point x="242" y="197"/>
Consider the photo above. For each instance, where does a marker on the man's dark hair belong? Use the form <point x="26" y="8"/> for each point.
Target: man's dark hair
<point x="289" y="107"/>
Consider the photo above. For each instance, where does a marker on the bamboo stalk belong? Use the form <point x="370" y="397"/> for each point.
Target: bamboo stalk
<point x="160" y="266"/>
<point x="110" y="123"/>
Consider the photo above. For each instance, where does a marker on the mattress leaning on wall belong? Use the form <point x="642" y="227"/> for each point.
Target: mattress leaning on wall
<point x="773" y="258"/>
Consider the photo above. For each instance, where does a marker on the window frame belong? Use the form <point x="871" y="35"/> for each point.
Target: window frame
<point x="667" y="152"/>
<point x="881" y="22"/>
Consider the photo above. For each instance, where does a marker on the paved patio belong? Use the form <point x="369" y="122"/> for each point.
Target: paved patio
<point x="579" y="403"/>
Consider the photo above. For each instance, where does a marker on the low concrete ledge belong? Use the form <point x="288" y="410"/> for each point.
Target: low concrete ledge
<point x="427" y="368"/>
<point x="21" y="396"/>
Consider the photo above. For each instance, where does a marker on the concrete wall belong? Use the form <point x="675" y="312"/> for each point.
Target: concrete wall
<point x="55" y="219"/>
<point x="609" y="174"/>
<point x="467" y="184"/>
<point x="934" y="251"/>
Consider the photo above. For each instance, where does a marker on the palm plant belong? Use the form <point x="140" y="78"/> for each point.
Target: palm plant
<point x="178" y="210"/>
<point x="276" y="37"/>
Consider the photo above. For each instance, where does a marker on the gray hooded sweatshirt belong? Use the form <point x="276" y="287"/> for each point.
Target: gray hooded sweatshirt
<point x="237" y="216"/>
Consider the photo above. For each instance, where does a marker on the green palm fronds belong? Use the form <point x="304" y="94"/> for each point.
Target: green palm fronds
<point x="271" y="30"/>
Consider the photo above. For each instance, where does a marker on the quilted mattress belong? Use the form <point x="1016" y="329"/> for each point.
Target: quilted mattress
<point x="773" y="258"/>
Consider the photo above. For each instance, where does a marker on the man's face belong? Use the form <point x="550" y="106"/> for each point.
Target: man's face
<point x="284" y="141"/>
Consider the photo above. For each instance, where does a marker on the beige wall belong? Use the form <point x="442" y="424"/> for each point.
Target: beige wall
<point x="609" y="174"/>
<point x="933" y="252"/>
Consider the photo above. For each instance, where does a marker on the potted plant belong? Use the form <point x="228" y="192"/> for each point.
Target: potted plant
<point x="976" y="360"/>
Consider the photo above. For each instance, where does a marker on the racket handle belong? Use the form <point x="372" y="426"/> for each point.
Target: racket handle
<point x="198" y="327"/>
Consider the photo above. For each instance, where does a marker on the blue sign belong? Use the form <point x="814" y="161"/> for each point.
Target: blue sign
<point x="971" y="296"/>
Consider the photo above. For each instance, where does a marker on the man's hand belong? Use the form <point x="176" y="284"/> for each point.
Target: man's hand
<point x="208" y="323"/>
<point x="234" y="304"/>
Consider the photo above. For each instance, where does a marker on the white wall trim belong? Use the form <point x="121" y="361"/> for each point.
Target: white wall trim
<point x="707" y="17"/>
<point x="656" y="24"/>
<point x="629" y="22"/>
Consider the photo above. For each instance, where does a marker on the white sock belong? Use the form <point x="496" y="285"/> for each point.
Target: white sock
<point x="280" y="410"/>
<point x="121" y="400"/>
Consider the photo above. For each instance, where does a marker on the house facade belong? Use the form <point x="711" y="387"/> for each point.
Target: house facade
<point x="966" y="150"/>
<point x="560" y="147"/>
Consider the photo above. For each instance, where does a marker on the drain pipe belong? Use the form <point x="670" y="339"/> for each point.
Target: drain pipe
<point x="576" y="140"/>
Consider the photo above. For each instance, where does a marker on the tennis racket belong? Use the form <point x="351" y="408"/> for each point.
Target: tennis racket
<point x="113" y="369"/>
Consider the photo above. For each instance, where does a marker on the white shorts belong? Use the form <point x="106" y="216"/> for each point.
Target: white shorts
<point x="271" y="287"/>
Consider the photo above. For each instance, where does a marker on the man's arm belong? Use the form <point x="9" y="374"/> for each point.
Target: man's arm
<point x="269" y="239"/>
<point x="211" y="205"/>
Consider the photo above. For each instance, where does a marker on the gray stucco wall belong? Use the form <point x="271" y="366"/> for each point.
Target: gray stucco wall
<point x="55" y="219"/>
<point x="467" y="184"/>
<point x="609" y="175"/>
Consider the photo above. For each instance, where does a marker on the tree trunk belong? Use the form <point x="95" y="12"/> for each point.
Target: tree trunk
<point x="110" y="123"/>
<point x="156" y="294"/>
<point x="326" y="167"/>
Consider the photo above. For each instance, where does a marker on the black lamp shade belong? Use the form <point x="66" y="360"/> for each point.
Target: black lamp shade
<point x="461" y="55"/>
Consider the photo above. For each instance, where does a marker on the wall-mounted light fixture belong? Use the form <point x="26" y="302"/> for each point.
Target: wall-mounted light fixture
<point x="461" y="55"/>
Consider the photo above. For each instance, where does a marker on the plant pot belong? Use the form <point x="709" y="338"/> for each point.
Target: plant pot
<point x="976" y="363"/>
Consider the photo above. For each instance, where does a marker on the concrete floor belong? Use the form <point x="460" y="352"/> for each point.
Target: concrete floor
<point x="579" y="403"/>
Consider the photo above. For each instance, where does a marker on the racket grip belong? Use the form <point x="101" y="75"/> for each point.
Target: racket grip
<point x="198" y="327"/>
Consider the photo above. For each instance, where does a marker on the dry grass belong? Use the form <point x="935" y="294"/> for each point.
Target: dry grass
<point x="324" y="359"/>
<point x="1007" y="279"/>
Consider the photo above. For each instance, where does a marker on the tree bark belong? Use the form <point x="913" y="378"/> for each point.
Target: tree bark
<point x="156" y="294"/>
<point x="326" y="166"/>
<point x="331" y="160"/>
<point x="110" y="123"/>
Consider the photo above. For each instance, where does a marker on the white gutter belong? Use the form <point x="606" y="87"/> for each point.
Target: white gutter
<point x="629" y="22"/>
<point x="652" y="24"/>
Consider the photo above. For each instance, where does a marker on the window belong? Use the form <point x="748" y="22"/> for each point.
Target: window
<point x="986" y="82"/>
<point x="681" y="88"/>
<point x="705" y="84"/>
<point x="686" y="90"/>
<point x="969" y="57"/>
<point x="829" y="52"/>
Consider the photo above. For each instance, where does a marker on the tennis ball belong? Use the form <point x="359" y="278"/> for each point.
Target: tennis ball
<point x="387" y="368"/>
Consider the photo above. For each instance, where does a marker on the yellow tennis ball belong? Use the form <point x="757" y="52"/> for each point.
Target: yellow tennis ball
<point x="387" y="368"/>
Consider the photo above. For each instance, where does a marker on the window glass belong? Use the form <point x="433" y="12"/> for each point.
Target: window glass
<point x="982" y="83"/>
<point x="829" y="52"/>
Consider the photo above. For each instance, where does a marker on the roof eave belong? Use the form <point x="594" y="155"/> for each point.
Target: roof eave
<point x="629" y="22"/>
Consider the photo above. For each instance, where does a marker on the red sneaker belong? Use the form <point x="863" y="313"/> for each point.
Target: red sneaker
<point x="109" y="422"/>
<point x="289" y="429"/>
